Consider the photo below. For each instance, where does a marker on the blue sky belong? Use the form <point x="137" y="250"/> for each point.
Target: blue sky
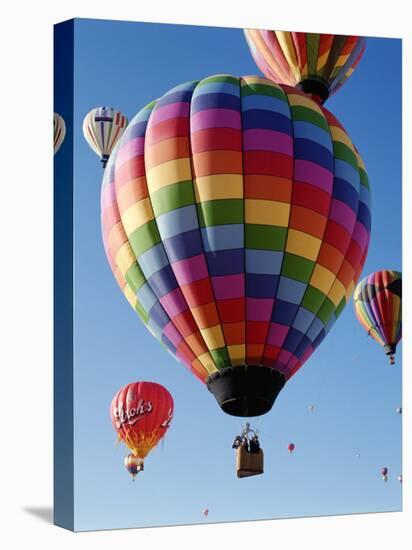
<point x="348" y="379"/>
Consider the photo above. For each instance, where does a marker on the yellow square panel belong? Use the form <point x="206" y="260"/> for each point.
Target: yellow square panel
<point x="213" y="337"/>
<point x="264" y="212"/>
<point x="137" y="215"/>
<point x="322" y="279"/>
<point x="130" y="295"/>
<point x="339" y="135"/>
<point x="237" y="354"/>
<point x="302" y="244"/>
<point x="337" y="292"/>
<point x="207" y="361"/>
<point x="298" y="100"/>
<point x="168" y="173"/>
<point x="125" y="258"/>
<point x="219" y="186"/>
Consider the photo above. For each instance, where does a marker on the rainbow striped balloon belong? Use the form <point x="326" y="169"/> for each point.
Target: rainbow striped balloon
<point x="318" y="63"/>
<point x="235" y="217"/>
<point x="378" y="307"/>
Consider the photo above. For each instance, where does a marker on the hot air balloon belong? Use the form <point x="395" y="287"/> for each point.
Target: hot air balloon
<point x="235" y="218"/>
<point x="400" y="478"/>
<point x="318" y="64"/>
<point x="59" y="131"/>
<point x="378" y="307"/>
<point x="384" y="473"/>
<point x="205" y="512"/>
<point x="133" y="465"/>
<point x="102" y="128"/>
<point x="399" y="410"/>
<point x="291" y="448"/>
<point x="357" y="455"/>
<point x="311" y="407"/>
<point x="141" y="413"/>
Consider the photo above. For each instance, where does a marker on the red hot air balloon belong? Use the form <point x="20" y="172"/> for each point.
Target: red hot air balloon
<point x="206" y="512"/>
<point x="384" y="473"/>
<point x="141" y="413"/>
<point x="291" y="448"/>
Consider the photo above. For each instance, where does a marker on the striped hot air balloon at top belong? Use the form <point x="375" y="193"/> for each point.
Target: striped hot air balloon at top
<point x="319" y="64"/>
<point x="102" y="128"/>
<point x="235" y="218"/>
<point x="378" y="307"/>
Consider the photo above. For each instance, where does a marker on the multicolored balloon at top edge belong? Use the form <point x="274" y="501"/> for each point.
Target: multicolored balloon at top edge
<point x="236" y="220"/>
<point x="102" y="129"/>
<point x="141" y="414"/>
<point x="378" y="307"/>
<point x="318" y="64"/>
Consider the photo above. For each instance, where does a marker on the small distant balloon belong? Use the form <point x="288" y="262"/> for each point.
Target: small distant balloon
<point x="378" y="307"/>
<point x="102" y="129"/>
<point x="205" y="512"/>
<point x="399" y="410"/>
<point x="384" y="473"/>
<point x="311" y="407"/>
<point x="291" y="448"/>
<point x="59" y="132"/>
<point x="400" y="478"/>
<point x="133" y="465"/>
<point x="357" y="455"/>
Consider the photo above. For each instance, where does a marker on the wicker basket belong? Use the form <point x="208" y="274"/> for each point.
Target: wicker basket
<point x="248" y="464"/>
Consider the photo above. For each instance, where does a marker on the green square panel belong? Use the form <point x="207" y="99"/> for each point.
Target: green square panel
<point x="220" y="212"/>
<point x="172" y="197"/>
<point x="144" y="238"/>
<point x="313" y="299"/>
<point x="296" y="267"/>
<point x="135" y="277"/>
<point x="341" y="307"/>
<point x="220" y="357"/>
<point x="265" y="237"/>
<point x="142" y="313"/>
<point x="326" y="311"/>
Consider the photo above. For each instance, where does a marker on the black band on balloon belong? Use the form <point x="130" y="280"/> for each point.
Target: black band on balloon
<point x="246" y="390"/>
<point x="314" y="87"/>
<point x="390" y="349"/>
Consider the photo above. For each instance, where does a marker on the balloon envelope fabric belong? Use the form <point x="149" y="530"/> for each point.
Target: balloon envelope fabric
<point x="319" y="63"/>
<point x="236" y="219"/>
<point x="378" y="307"/>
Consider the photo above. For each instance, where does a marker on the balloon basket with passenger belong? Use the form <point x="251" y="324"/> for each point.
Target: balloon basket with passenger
<point x="249" y="455"/>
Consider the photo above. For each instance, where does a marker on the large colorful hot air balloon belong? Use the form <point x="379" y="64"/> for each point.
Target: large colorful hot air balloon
<point x="59" y="131"/>
<point x="235" y="218"/>
<point x="102" y="128"/>
<point x="378" y="307"/>
<point x="141" y="413"/>
<point x="316" y="63"/>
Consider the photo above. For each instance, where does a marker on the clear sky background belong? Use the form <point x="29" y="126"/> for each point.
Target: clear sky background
<point x="355" y="392"/>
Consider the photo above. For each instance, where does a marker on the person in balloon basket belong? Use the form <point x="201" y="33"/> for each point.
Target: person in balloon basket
<point x="245" y="443"/>
<point x="254" y="445"/>
<point x="237" y="442"/>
